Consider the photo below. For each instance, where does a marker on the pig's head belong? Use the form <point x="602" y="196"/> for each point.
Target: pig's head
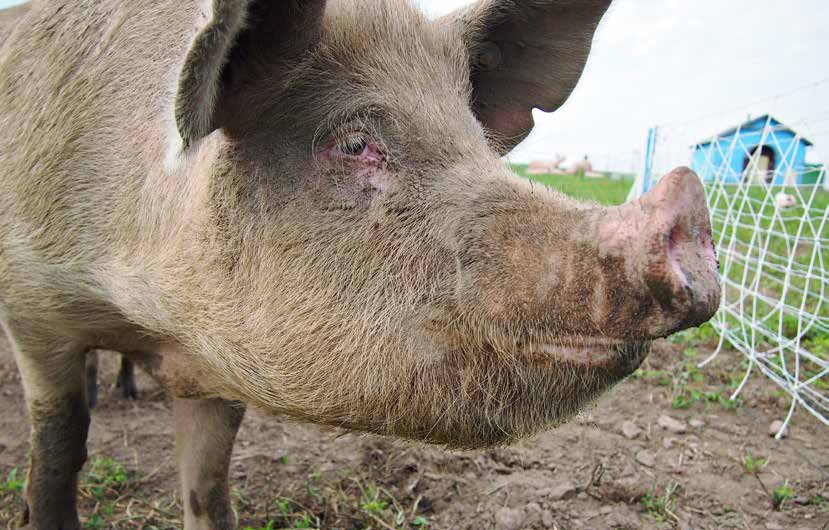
<point x="368" y="260"/>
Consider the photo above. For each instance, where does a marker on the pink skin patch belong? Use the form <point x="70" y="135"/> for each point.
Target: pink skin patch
<point x="370" y="155"/>
<point x="363" y="158"/>
<point x="583" y="351"/>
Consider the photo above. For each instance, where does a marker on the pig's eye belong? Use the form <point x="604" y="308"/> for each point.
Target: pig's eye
<point x="353" y="146"/>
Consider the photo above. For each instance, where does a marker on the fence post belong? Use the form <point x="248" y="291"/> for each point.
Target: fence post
<point x="643" y="181"/>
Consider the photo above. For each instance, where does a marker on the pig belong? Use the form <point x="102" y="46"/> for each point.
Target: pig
<point x="125" y="380"/>
<point x="784" y="201"/>
<point x="302" y="207"/>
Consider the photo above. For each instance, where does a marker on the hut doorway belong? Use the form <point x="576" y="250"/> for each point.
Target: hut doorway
<point x="758" y="167"/>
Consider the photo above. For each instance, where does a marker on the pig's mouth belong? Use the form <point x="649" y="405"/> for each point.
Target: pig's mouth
<point x="590" y="352"/>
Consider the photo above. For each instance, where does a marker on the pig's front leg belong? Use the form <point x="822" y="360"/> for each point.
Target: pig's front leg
<point x="54" y="386"/>
<point x="205" y="431"/>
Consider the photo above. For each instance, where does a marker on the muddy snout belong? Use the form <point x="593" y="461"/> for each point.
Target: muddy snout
<point x="665" y="241"/>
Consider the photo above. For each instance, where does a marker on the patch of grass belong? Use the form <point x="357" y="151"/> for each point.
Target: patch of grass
<point x="105" y="478"/>
<point x="660" y="504"/>
<point x="660" y="377"/>
<point x="293" y="514"/>
<point x="704" y="334"/>
<point x="606" y="190"/>
<point x="13" y="483"/>
<point x="107" y="483"/>
<point x="349" y="501"/>
<point x="691" y="386"/>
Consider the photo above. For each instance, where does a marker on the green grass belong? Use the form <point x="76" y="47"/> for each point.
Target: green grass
<point x="781" y="495"/>
<point x="105" y="477"/>
<point x="753" y="464"/>
<point x="13" y="483"/>
<point x="605" y="190"/>
<point x="776" y="233"/>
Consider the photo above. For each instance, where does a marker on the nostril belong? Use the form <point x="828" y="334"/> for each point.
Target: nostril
<point x="709" y="251"/>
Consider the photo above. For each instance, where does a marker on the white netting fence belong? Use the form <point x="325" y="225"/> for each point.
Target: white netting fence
<point x="769" y="217"/>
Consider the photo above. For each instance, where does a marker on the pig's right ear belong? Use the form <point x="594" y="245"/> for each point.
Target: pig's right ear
<point x="239" y="35"/>
<point x="524" y="54"/>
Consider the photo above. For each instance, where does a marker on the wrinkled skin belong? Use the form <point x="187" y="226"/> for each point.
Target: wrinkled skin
<point x="307" y="213"/>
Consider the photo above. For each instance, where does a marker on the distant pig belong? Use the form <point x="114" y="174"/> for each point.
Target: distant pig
<point x="302" y="207"/>
<point x="125" y="381"/>
<point x="784" y="200"/>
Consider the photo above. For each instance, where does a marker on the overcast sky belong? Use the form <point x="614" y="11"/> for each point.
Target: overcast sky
<point x="701" y="65"/>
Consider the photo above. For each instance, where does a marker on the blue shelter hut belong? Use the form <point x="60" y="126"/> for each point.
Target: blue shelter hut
<point x="759" y="151"/>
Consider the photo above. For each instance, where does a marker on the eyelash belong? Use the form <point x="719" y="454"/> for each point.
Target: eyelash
<point x="355" y="145"/>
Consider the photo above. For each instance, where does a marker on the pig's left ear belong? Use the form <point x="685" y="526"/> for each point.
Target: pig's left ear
<point x="230" y="49"/>
<point x="524" y="54"/>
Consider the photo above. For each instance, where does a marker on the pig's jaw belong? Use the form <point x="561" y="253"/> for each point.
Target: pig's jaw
<point x="592" y="352"/>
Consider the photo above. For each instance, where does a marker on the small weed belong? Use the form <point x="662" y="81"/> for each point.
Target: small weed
<point x="660" y="506"/>
<point x="12" y="484"/>
<point x="305" y="522"/>
<point x="95" y="521"/>
<point x="728" y="403"/>
<point x="292" y="514"/>
<point x="658" y="376"/>
<point x="372" y="503"/>
<point x="681" y="401"/>
<point x="283" y="506"/>
<point x="105" y="477"/>
<point x="781" y="495"/>
<point x="270" y="526"/>
<point x="420" y="521"/>
<point x="283" y="459"/>
<point x="753" y="464"/>
<point x="702" y="334"/>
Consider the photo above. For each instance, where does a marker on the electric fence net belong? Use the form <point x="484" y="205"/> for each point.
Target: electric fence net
<point x="769" y="218"/>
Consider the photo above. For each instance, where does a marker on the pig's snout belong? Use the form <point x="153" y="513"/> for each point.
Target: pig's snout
<point x="665" y="238"/>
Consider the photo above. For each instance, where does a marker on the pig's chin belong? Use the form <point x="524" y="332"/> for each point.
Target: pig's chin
<point x="492" y="394"/>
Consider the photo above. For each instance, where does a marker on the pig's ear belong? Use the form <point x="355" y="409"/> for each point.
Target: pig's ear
<point x="524" y="54"/>
<point x="239" y="35"/>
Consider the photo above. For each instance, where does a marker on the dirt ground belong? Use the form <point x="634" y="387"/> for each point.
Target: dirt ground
<point x="597" y="472"/>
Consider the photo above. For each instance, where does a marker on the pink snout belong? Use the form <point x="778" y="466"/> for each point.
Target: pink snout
<point x="665" y="240"/>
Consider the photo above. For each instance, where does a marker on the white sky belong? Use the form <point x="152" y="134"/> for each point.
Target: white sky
<point x="678" y="61"/>
<point x="674" y="61"/>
